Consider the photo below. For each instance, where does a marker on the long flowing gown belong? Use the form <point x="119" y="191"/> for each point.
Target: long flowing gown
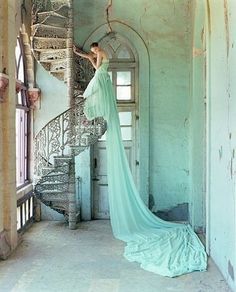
<point x="166" y="248"/>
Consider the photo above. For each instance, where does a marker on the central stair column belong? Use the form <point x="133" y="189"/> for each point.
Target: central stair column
<point x="71" y="196"/>
<point x="70" y="88"/>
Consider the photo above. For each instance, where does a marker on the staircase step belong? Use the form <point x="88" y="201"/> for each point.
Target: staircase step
<point x="54" y="192"/>
<point x="59" y="161"/>
<point x="59" y="201"/>
<point x="52" y="18"/>
<point x="50" y="183"/>
<point x="46" y="170"/>
<point x="48" y="43"/>
<point x="62" y="178"/>
<point x="55" y="174"/>
<point x="60" y="75"/>
<point x="61" y="7"/>
<point x="48" y="31"/>
<point x="55" y="71"/>
<point x="55" y="66"/>
<point x="64" y="157"/>
<point x="48" y="187"/>
<point x="63" y="200"/>
<point x="50" y="55"/>
<point x="76" y="150"/>
<point x="53" y="61"/>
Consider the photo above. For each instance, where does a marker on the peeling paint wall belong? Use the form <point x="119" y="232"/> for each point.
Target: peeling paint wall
<point x="221" y="98"/>
<point x="164" y="26"/>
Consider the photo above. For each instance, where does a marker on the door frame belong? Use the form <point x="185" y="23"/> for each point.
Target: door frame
<point x="140" y="49"/>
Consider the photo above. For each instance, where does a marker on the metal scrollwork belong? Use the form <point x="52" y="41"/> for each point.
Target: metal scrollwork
<point x="60" y="134"/>
<point x="68" y="134"/>
<point x="83" y="72"/>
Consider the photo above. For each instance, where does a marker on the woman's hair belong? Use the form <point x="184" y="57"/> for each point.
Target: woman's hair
<point x="94" y="45"/>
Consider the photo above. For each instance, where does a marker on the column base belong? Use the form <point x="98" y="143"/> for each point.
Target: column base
<point x="5" y="248"/>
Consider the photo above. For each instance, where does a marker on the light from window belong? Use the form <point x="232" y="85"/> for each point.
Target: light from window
<point x="123" y="92"/>
<point x="125" y="118"/>
<point x="126" y="133"/>
<point x="126" y="125"/>
<point x="21" y="146"/>
<point x="123" y="78"/>
<point x="19" y="62"/>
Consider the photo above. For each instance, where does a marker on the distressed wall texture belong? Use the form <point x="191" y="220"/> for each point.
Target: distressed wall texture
<point x="221" y="203"/>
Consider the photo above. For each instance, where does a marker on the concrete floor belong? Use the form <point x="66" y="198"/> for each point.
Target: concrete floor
<point x="89" y="259"/>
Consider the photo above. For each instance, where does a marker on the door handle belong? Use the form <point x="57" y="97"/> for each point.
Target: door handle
<point x="95" y="163"/>
<point x="95" y="179"/>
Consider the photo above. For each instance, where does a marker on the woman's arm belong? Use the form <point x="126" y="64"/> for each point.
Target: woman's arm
<point x="81" y="54"/>
<point x="96" y="64"/>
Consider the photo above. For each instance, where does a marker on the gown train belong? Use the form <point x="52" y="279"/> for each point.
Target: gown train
<point x="166" y="248"/>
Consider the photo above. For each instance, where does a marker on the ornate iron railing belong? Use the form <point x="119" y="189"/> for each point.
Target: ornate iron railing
<point x="67" y="134"/>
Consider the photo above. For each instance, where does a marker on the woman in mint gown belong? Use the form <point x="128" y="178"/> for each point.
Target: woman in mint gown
<point x="166" y="248"/>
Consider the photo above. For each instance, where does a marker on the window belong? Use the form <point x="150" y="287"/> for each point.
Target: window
<point x="126" y="125"/>
<point x="122" y="71"/>
<point x="22" y="120"/>
<point x="122" y="81"/>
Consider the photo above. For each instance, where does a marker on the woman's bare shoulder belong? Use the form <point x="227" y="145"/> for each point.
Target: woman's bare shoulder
<point x="104" y="55"/>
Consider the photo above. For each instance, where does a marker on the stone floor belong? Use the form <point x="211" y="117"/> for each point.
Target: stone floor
<point x="89" y="259"/>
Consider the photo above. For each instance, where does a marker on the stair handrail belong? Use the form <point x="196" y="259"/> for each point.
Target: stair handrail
<point x="60" y="136"/>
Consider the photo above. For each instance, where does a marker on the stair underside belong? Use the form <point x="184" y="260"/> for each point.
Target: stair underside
<point x="43" y="30"/>
<point x="43" y="43"/>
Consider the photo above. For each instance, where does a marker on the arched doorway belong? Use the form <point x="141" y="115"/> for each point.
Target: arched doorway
<point x="132" y="46"/>
<point x="123" y="71"/>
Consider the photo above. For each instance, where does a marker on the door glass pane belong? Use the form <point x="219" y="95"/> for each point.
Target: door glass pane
<point x="123" y="92"/>
<point x="126" y="133"/>
<point x="125" y="118"/>
<point x="123" y="78"/>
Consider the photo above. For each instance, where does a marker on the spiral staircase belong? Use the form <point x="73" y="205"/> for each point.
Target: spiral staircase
<point x="69" y="133"/>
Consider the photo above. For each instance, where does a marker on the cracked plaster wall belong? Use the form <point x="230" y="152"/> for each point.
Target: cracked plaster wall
<point x="221" y="66"/>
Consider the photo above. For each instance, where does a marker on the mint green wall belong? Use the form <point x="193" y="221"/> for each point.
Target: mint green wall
<point x="54" y="98"/>
<point x="221" y="201"/>
<point x="164" y="28"/>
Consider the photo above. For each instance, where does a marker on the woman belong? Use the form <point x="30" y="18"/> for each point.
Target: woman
<point x="99" y="91"/>
<point x="96" y="53"/>
<point x="165" y="248"/>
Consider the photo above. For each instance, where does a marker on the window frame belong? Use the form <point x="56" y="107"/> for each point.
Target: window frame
<point x="114" y="69"/>
<point x="24" y="106"/>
